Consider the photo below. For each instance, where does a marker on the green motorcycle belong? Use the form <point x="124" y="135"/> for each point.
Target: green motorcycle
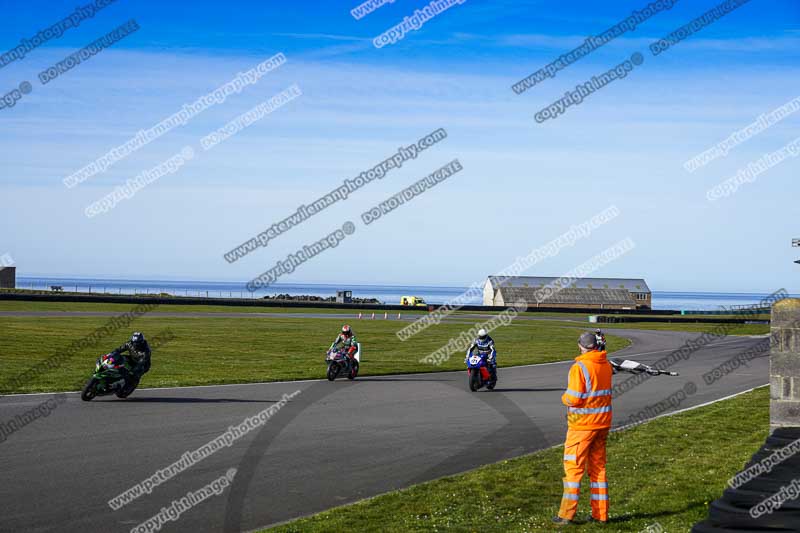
<point x="108" y="378"/>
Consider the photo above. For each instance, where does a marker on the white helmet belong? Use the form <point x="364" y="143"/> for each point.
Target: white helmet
<point x="482" y="333"/>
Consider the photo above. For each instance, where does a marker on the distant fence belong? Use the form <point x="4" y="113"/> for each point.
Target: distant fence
<point x="262" y="302"/>
<point x="85" y="288"/>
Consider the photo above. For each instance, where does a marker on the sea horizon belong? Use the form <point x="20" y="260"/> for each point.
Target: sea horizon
<point x="388" y="293"/>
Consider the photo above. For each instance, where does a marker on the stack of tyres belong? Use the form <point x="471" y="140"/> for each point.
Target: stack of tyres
<point x="732" y="513"/>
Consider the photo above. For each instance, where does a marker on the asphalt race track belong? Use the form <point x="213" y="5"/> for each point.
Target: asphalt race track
<point x="332" y="444"/>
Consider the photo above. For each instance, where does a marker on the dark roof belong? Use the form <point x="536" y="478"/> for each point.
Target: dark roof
<point x="567" y="296"/>
<point x="629" y="284"/>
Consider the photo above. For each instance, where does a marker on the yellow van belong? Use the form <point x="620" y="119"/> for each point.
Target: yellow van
<point x="412" y="301"/>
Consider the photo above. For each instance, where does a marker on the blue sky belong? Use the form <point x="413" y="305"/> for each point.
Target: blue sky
<point x="523" y="183"/>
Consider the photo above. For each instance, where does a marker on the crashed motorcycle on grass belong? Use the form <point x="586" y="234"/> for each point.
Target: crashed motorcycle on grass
<point x="108" y="378"/>
<point x="339" y="363"/>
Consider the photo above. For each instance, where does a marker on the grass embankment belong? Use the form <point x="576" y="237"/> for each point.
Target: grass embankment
<point x="213" y="350"/>
<point x="664" y="471"/>
<point x="16" y="305"/>
<point x="551" y="318"/>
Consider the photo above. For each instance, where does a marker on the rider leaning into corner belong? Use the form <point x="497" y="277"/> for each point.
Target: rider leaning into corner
<point x="348" y="341"/>
<point x="137" y="354"/>
<point x="484" y="345"/>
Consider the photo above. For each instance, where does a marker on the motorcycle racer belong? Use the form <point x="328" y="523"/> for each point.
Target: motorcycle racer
<point x="484" y="345"/>
<point x="137" y="354"/>
<point x="347" y="340"/>
<point x="600" y="338"/>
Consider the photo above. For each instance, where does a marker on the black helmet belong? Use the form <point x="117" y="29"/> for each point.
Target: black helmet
<point x="598" y="331"/>
<point x="137" y="339"/>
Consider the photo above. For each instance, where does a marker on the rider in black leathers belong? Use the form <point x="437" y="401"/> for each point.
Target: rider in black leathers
<point x="137" y="353"/>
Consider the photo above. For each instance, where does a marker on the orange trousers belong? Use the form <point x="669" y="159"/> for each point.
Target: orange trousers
<point x="580" y="448"/>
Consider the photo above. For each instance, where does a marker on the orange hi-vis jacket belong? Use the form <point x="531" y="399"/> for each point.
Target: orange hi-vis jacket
<point x="588" y="393"/>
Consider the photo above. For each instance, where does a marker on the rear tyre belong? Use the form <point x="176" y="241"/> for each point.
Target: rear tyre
<point x="353" y="371"/>
<point x="128" y="389"/>
<point x="474" y="379"/>
<point x="333" y="371"/>
<point x="88" y="392"/>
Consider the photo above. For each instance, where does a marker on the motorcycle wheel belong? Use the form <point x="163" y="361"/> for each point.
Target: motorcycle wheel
<point x="474" y="379"/>
<point x="128" y="389"/>
<point x="353" y="371"/>
<point x="333" y="371"/>
<point x="88" y="392"/>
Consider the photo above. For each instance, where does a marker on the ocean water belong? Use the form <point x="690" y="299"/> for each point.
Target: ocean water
<point x="390" y="294"/>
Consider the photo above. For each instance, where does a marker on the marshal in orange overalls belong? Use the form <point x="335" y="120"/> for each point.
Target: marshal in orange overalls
<point x="588" y="397"/>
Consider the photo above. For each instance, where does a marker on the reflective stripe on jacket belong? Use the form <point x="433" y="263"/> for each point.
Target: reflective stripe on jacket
<point x="588" y="394"/>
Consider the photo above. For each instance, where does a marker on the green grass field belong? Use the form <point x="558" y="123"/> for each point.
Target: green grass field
<point x="212" y="350"/>
<point x="665" y="471"/>
<point x="552" y="318"/>
<point x="15" y="305"/>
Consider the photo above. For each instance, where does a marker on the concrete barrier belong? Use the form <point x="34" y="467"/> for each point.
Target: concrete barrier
<point x="784" y="364"/>
<point x="762" y="499"/>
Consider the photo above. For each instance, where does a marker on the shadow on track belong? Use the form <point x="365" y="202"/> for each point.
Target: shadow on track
<point x="155" y="399"/>
<point x="529" y="390"/>
<point x="379" y="379"/>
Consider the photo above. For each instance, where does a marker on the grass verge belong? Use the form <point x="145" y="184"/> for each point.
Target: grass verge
<point x="664" y="471"/>
<point x="214" y="350"/>
<point x="552" y="319"/>
<point x="17" y="305"/>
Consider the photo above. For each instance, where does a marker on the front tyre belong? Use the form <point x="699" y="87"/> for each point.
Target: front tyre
<point x="333" y="371"/>
<point x="89" y="390"/>
<point x="474" y="379"/>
